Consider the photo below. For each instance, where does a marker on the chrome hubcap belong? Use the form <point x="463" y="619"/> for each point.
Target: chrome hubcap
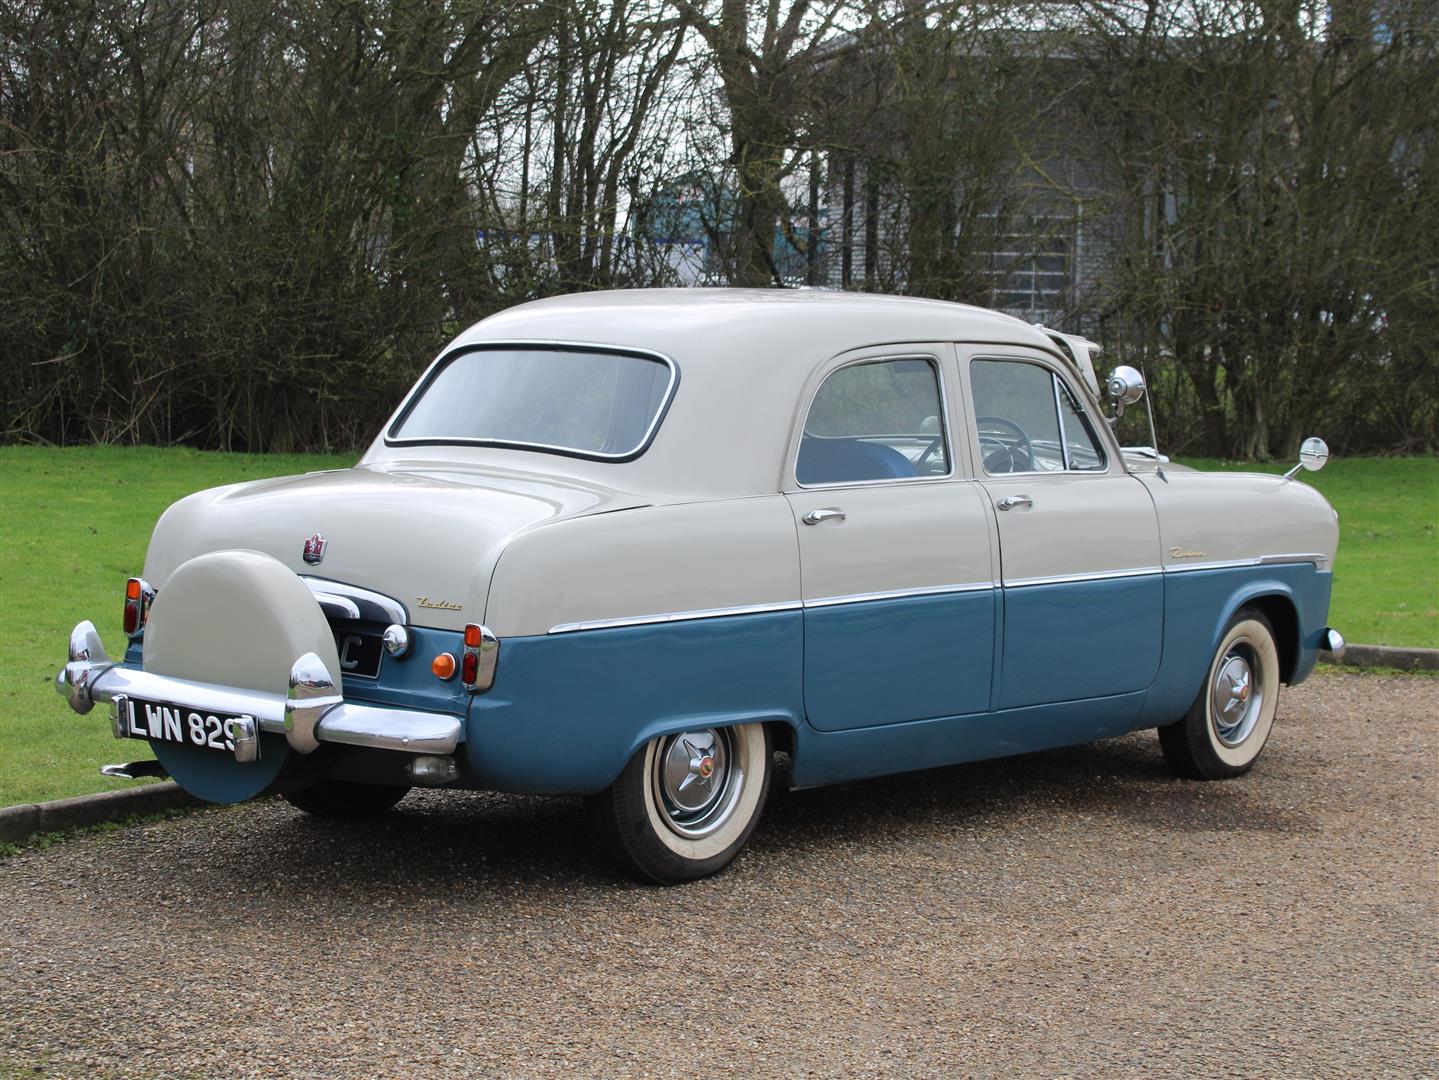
<point x="1236" y="696"/>
<point x="697" y="780"/>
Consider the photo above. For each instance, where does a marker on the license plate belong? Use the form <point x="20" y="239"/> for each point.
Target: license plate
<point x="359" y="654"/>
<point x="164" y="721"/>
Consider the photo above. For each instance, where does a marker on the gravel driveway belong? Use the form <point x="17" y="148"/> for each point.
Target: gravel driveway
<point x="1066" y="914"/>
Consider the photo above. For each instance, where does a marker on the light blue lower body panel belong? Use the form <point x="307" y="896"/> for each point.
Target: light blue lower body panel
<point x="888" y="661"/>
<point x="826" y="757"/>
<point x="1077" y="640"/>
<point x="1200" y="603"/>
<point x="567" y="711"/>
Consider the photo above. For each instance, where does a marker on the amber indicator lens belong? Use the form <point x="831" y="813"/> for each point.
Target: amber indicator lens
<point x="443" y="666"/>
<point x="473" y="636"/>
<point x="132" y="589"/>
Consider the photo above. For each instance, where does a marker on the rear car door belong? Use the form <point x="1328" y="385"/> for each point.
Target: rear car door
<point x="895" y="550"/>
<point x="1082" y="589"/>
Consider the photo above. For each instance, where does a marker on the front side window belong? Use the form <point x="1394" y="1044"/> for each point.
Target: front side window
<point x="877" y="420"/>
<point x="586" y="402"/>
<point x="1028" y="420"/>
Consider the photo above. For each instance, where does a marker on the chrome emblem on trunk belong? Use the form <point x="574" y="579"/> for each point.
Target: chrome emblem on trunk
<point x="439" y="605"/>
<point x="314" y="549"/>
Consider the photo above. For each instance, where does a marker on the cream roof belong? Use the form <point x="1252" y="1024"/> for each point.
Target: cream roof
<point x="743" y="356"/>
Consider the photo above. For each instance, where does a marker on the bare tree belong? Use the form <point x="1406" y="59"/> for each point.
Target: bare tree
<point x="1273" y="202"/>
<point x="765" y="54"/>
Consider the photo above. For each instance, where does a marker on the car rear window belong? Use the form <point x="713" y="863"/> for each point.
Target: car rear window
<point x="588" y="402"/>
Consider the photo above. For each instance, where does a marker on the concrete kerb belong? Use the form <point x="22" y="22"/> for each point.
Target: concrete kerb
<point x="1387" y="656"/>
<point x="19" y="823"/>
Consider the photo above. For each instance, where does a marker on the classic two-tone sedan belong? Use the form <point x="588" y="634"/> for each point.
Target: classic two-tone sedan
<point x="632" y="545"/>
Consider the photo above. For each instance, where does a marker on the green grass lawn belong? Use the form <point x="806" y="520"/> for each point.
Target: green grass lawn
<point x="74" y="524"/>
<point x="1386" y="576"/>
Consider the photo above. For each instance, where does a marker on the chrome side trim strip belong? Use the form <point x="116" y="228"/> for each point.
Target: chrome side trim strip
<point x="896" y="594"/>
<point x="930" y="590"/>
<point x="1320" y="561"/>
<point x="376" y="607"/>
<point x="757" y="609"/>
<point x="1230" y="564"/>
<point x="672" y="616"/>
<point x="1066" y="579"/>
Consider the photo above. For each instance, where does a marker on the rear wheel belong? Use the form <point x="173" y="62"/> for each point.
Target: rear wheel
<point x="686" y="803"/>
<point x="1225" y="729"/>
<point x="342" y="799"/>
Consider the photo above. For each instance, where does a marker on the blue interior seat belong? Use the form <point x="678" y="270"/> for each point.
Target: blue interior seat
<point x="837" y="461"/>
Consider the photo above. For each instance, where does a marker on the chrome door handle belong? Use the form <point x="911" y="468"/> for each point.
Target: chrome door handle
<point x="1013" y="502"/>
<point x="814" y="517"/>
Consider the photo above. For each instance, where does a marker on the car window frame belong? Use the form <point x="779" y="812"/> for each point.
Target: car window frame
<point x="936" y="364"/>
<point x="1056" y="373"/>
<point x="1063" y="388"/>
<point x="423" y="384"/>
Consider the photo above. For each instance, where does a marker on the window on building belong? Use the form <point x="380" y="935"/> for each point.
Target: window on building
<point x="1032" y="264"/>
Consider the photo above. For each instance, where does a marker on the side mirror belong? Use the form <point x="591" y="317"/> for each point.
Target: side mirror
<point x="1126" y="386"/>
<point x="1313" y="454"/>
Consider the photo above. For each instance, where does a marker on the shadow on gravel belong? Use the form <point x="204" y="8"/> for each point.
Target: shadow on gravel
<point x="447" y="845"/>
<point x="1123" y="778"/>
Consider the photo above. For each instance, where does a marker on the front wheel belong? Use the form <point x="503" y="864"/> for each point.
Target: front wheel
<point x="686" y="803"/>
<point x="1225" y="729"/>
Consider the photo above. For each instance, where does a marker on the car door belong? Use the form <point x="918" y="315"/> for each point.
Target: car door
<point x="1082" y="590"/>
<point x="895" y="551"/>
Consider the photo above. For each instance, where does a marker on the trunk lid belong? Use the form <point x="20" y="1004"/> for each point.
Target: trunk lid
<point x="427" y="534"/>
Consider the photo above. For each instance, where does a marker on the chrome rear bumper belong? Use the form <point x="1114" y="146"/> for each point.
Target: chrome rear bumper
<point x="313" y="712"/>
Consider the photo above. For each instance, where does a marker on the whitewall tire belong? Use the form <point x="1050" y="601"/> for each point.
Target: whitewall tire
<point x="686" y="803"/>
<point x="1226" y="728"/>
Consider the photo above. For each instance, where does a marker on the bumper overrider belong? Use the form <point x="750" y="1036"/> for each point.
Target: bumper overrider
<point x="313" y="712"/>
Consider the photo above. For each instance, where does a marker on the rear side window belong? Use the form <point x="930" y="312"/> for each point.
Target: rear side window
<point x="877" y="420"/>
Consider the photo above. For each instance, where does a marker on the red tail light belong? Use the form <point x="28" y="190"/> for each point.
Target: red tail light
<point x="477" y="665"/>
<point x="138" y="596"/>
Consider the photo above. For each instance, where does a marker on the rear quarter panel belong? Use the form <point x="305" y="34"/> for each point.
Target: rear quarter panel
<point x="620" y="627"/>
<point x="637" y="564"/>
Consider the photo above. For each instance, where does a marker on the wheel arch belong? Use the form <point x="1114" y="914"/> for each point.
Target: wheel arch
<point x="1284" y="618"/>
<point x="781" y="724"/>
<point x="1275" y="600"/>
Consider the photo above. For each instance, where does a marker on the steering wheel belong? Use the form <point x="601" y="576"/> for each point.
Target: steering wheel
<point x="1004" y="457"/>
<point x="921" y="463"/>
